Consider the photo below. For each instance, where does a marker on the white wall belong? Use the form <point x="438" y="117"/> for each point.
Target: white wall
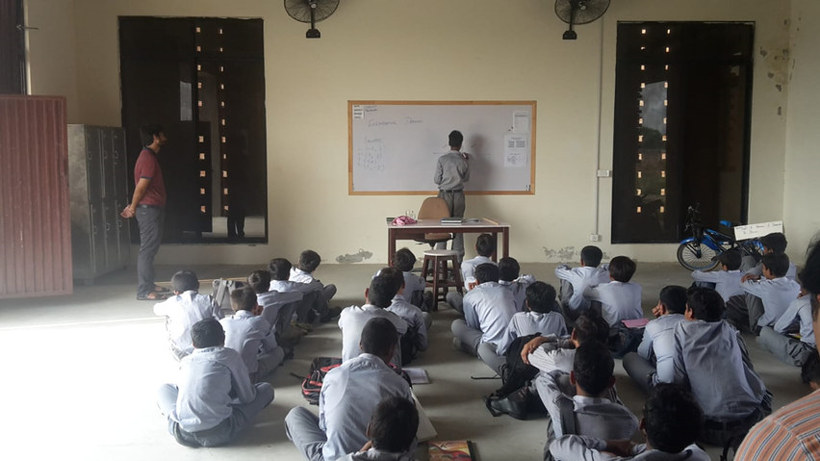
<point x="428" y="50"/>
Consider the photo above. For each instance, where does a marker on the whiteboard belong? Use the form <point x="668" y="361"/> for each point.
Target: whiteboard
<point x="394" y="145"/>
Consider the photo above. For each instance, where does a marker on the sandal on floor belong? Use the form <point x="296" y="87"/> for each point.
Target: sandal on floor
<point x="152" y="296"/>
<point x="159" y="289"/>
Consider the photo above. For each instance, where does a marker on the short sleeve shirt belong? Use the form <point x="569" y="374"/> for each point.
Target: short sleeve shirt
<point x="147" y="167"/>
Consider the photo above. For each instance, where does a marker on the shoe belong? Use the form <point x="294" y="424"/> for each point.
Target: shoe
<point x="159" y="289"/>
<point x="152" y="296"/>
<point x="457" y="344"/>
<point x="332" y="313"/>
<point x="514" y="405"/>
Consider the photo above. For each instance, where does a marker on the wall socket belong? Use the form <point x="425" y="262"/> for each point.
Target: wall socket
<point x="594" y="238"/>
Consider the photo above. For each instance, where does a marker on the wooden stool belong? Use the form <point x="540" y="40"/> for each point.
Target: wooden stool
<point x="443" y="275"/>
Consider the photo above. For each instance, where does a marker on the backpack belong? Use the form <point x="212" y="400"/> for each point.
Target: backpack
<point x="515" y="373"/>
<point x="312" y="384"/>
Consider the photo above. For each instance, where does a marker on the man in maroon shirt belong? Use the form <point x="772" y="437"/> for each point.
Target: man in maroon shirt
<point x="148" y="205"/>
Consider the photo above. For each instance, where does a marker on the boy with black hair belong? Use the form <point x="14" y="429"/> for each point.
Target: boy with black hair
<point x="418" y="322"/>
<point x="671" y="423"/>
<point x="540" y="317"/>
<point x="488" y="309"/>
<point x="214" y="398"/>
<point x="766" y="299"/>
<point x="414" y="284"/>
<point x="250" y="334"/>
<point x="786" y="348"/>
<point x="280" y="282"/>
<point x="509" y="276"/>
<point x="353" y="319"/>
<point x="183" y="310"/>
<point x="548" y="353"/>
<point x="277" y="307"/>
<point x="711" y="358"/>
<point x="349" y="396"/>
<point x="309" y="261"/>
<point x="725" y="281"/>
<point x="485" y="247"/>
<point x="774" y="243"/>
<point x="620" y="299"/>
<point x="575" y="280"/>
<point x="657" y="346"/>
<point x="392" y="430"/>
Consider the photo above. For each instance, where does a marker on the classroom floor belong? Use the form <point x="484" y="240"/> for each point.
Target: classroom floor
<point x="81" y="373"/>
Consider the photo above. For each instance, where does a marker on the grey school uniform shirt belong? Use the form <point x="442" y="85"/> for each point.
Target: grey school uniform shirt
<point x="579" y="447"/>
<point x="452" y="171"/>
<point x="659" y="339"/>
<point x="352" y="321"/>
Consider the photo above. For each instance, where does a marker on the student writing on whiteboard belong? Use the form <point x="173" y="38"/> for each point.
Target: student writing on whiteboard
<point x="452" y="171"/>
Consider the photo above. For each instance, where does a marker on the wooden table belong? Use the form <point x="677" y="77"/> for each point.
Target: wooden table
<point x="484" y="225"/>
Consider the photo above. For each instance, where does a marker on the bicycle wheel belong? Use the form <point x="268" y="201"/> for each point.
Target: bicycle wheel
<point x="696" y="256"/>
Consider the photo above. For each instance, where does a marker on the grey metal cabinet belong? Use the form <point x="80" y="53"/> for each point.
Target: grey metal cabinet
<point x="100" y="238"/>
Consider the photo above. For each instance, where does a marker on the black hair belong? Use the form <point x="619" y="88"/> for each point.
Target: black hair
<point x="485" y="245"/>
<point x="706" y="304"/>
<point x="207" y="333"/>
<point x="394" y="424"/>
<point x="382" y="289"/>
<point x="259" y="281"/>
<point x="591" y="326"/>
<point x="456" y="139"/>
<point x="379" y="336"/>
<point x="777" y="263"/>
<point x="673" y="297"/>
<point x="508" y="269"/>
<point x="593" y="367"/>
<point x="279" y="268"/>
<point x="591" y="255"/>
<point x="185" y="280"/>
<point x="487" y="272"/>
<point x="395" y="274"/>
<point x="540" y="297"/>
<point x="810" y="371"/>
<point x="672" y="418"/>
<point x="621" y="269"/>
<point x="243" y="299"/>
<point x="309" y="260"/>
<point x="731" y="258"/>
<point x="776" y="241"/>
<point x="404" y="260"/>
<point x="148" y="131"/>
<point x="810" y="277"/>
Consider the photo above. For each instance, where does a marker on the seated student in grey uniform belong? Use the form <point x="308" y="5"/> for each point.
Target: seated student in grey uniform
<point x="540" y="317"/>
<point x="619" y="299"/>
<point x="712" y="360"/>
<point x="353" y="319"/>
<point x="585" y="409"/>
<point x="774" y="243"/>
<point x="509" y="276"/>
<point x="725" y="281"/>
<point x="278" y="307"/>
<point x="391" y="431"/>
<point x="248" y="333"/>
<point x="485" y="247"/>
<point x="797" y="319"/>
<point x="414" y="284"/>
<point x="657" y="348"/>
<point x="183" y="310"/>
<point x="488" y="309"/>
<point x="418" y="322"/>
<point x="671" y="423"/>
<point x="280" y="282"/>
<point x="549" y="353"/>
<point x="575" y="280"/>
<point x="766" y="298"/>
<point x="214" y="398"/>
<point x="349" y="397"/>
<point x="309" y="260"/>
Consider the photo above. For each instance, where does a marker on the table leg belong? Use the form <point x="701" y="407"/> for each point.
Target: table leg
<point x="506" y="238"/>
<point x="391" y="246"/>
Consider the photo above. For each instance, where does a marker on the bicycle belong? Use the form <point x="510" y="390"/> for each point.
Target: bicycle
<point x="699" y="251"/>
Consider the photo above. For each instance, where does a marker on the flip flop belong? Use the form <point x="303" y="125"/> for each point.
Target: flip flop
<point x="159" y="289"/>
<point x="152" y="296"/>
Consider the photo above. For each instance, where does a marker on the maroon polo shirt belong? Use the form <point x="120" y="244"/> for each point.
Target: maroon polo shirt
<point x="148" y="167"/>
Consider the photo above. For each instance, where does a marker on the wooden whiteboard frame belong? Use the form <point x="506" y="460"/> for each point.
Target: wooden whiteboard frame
<point x="350" y="104"/>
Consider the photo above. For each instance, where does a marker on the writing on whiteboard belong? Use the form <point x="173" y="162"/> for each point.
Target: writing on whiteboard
<point x="371" y="156"/>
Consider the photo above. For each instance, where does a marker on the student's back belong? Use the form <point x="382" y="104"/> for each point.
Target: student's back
<point x="414" y="318"/>
<point x="489" y="308"/>
<point x="575" y="280"/>
<point x="620" y="299"/>
<point x="183" y="310"/>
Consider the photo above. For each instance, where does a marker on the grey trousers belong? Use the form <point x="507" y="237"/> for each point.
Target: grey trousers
<point x="268" y="362"/>
<point x="222" y="433"/>
<point x="456" y="301"/>
<point x="743" y="311"/>
<point x="487" y="353"/>
<point x="456" y="204"/>
<point x="302" y="428"/>
<point x="150" y="221"/>
<point x="786" y="349"/>
<point x="467" y="338"/>
<point x="640" y="370"/>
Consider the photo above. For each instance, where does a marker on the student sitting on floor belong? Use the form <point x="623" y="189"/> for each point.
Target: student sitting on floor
<point x="279" y="269"/>
<point x="183" y="310"/>
<point x="509" y="276"/>
<point x="549" y="353"/>
<point x="725" y="281"/>
<point x="575" y="280"/>
<point x="248" y="333"/>
<point x="488" y="309"/>
<point x="391" y="431"/>
<point x="671" y="423"/>
<point x="657" y="348"/>
<point x="418" y="322"/>
<point x="485" y="247"/>
<point x="214" y="398"/>
<point x="278" y="307"/>
<point x="786" y="348"/>
<point x="620" y="299"/>
<point x="767" y="298"/>
<point x="774" y="243"/>
<point x="349" y="397"/>
<point x="353" y="319"/>
<point x="540" y="317"/>
<point x="711" y="358"/>
<point x="414" y="284"/>
<point x="309" y="260"/>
